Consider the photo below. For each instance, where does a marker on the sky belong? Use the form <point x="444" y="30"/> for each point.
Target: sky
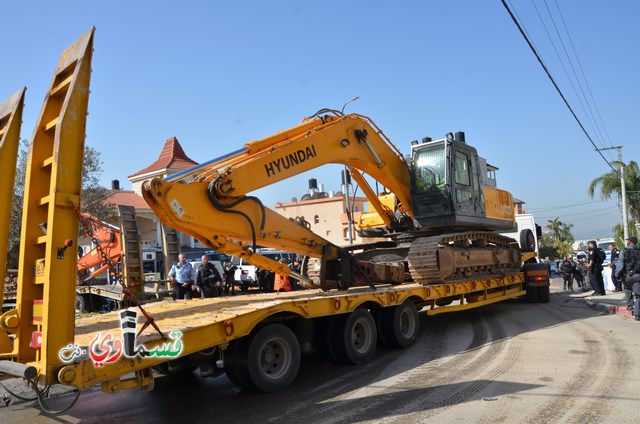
<point x="217" y="74"/>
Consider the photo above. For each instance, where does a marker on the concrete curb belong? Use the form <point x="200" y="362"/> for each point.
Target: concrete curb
<point x="609" y="309"/>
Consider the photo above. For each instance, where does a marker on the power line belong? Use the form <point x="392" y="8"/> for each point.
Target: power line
<point x="610" y="208"/>
<point x="590" y="116"/>
<point x="534" y="210"/>
<point x="582" y="71"/>
<point x="535" y="52"/>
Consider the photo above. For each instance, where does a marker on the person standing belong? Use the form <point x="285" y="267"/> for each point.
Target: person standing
<point x="208" y="280"/>
<point x="567" y="268"/>
<point x="182" y="277"/>
<point x="596" y="257"/>
<point x="229" y="277"/>
<point x="295" y="267"/>
<point x="617" y="284"/>
<point x="579" y="274"/>
<point x="628" y="261"/>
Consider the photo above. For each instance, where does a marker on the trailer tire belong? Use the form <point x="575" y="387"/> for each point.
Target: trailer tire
<point x="353" y="337"/>
<point x="527" y="241"/>
<point x="399" y="326"/>
<point x="335" y="329"/>
<point x="271" y="359"/>
<point x="231" y="365"/>
<point x="544" y="296"/>
<point x="532" y="294"/>
<point x="80" y="303"/>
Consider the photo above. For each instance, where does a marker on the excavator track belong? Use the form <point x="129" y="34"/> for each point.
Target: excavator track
<point x="450" y="257"/>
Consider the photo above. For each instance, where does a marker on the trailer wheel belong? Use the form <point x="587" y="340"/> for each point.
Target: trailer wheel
<point x="271" y="360"/>
<point x="399" y="326"/>
<point x="231" y="362"/>
<point x="80" y="303"/>
<point x="353" y="337"/>
<point x="532" y="294"/>
<point x="527" y="241"/>
<point x="543" y="294"/>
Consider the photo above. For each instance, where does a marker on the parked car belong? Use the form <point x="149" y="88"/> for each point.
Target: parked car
<point x="246" y="276"/>
<point x="580" y="255"/>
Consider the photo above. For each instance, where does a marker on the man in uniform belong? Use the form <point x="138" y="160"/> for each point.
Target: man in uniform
<point x="229" y="277"/>
<point x="595" y="268"/>
<point x="567" y="268"/>
<point x="182" y="276"/>
<point x="628" y="269"/>
<point x="615" y="253"/>
<point x="208" y="280"/>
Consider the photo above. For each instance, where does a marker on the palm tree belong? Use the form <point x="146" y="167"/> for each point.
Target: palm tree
<point x="565" y="233"/>
<point x="610" y="184"/>
<point x="553" y="225"/>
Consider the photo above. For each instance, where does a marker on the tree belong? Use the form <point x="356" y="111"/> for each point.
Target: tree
<point x="559" y="241"/>
<point x="610" y="184"/>
<point x="618" y="233"/>
<point x="553" y="225"/>
<point x="92" y="197"/>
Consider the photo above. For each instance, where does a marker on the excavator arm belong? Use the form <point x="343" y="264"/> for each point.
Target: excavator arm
<point x="106" y="238"/>
<point x="214" y="206"/>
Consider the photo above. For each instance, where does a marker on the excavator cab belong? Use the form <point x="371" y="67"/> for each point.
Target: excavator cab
<point x="447" y="194"/>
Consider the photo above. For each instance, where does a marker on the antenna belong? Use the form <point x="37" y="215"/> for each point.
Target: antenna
<point x="353" y="99"/>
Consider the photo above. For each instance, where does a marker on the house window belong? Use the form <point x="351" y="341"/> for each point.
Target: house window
<point x="316" y="219"/>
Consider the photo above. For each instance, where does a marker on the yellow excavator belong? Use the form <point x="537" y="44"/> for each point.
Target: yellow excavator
<point x="441" y="221"/>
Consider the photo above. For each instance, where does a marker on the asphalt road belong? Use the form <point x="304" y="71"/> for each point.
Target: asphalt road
<point x="503" y="363"/>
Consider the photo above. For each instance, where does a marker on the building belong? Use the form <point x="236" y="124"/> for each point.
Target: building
<point x="172" y="159"/>
<point x="327" y="216"/>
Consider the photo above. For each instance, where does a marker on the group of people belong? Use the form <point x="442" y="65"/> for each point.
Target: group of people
<point x="587" y="271"/>
<point x="574" y="271"/>
<point x="625" y="272"/>
<point x="204" y="282"/>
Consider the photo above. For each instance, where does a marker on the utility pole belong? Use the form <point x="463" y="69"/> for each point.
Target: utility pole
<point x="625" y="218"/>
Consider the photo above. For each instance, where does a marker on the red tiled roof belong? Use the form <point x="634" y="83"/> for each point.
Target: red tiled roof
<point x="171" y="156"/>
<point x="127" y="198"/>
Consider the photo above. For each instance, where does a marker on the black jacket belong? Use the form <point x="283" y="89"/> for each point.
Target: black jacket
<point x="207" y="275"/>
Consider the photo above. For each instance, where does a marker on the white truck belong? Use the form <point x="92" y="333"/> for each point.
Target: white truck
<point x="526" y="222"/>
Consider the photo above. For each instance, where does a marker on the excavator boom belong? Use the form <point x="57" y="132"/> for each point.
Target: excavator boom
<point x="215" y="207"/>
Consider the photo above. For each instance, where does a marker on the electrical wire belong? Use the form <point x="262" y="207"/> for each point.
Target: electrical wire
<point x="590" y="116"/>
<point x="582" y="71"/>
<point x="586" y="212"/>
<point x="546" y="70"/>
<point x="534" y="210"/>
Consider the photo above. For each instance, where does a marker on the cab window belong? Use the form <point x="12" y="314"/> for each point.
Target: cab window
<point x="462" y="174"/>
